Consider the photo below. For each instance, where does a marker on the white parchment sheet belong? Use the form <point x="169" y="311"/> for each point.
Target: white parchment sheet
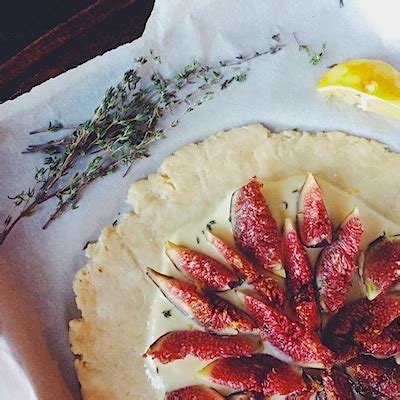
<point x="37" y="267"/>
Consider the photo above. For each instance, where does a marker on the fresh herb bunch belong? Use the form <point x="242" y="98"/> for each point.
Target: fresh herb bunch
<point x="130" y="118"/>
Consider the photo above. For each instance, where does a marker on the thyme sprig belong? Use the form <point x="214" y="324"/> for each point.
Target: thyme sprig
<point x="133" y="115"/>
<point x="314" y="57"/>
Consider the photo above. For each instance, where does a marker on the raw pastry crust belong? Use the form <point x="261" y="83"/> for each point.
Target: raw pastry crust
<point x="111" y="290"/>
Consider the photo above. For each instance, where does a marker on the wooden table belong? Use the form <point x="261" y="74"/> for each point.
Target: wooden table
<point x="82" y="29"/>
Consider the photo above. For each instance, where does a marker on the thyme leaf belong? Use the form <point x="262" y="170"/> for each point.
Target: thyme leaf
<point x="314" y="57"/>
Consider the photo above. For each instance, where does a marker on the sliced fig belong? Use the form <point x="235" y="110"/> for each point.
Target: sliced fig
<point x="374" y="377"/>
<point x="378" y="333"/>
<point x="380" y="266"/>
<point x="211" y="312"/>
<point x="337" y="386"/>
<point x="254" y="229"/>
<point x="201" y="267"/>
<point x="312" y="217"/>
<point x="303" y="347"/>
<point x="334" y="276"/>
<point x="269" y="289"/>
<point x="386" y="345"/>
<point x="260" y="373"/>
<point x="245" y="269"/>
<point x="338" y="333"/>
<point x="265" y="285"/>
<point x="360" y="327"/>
<point x="195" y="392"/>
<point x="299" y="278"/>
<point x="350" y="232"/>
<point x="312" y="391"/>
<point x="335" y="266"/>
<point x="245" y="396"/>
<point x="203" y="345"/>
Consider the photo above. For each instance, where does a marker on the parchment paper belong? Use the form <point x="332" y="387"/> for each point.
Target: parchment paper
<point x="37" y="267"/>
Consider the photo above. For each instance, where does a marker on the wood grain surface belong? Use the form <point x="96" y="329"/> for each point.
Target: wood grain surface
<point x="95" y="29"/>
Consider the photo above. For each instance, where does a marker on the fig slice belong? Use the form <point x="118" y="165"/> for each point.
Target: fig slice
<point x="312" y="391"/>
<point x="302" y="346"/>
<point x="338" y="333"/>
<point x="335" y="266"/>
<point x="245" y="269"/>
<point x="245" y="396"/>
<point x="312" y="216"/>
<point x="195" y="392"/>
<point x="260" y="373"/>
<point x="374" y="377"/>
<point x="269" y="289"/>
<point x="337" y="386"/>
<point x="361" y="327"/>
<point x="254" y="229"/>
<point x="177" y="345"/>
<point x="299" y="278"/>
<point x="265" y="285"/>
<point x="386" y="345"/>
<point x="201" y="267"/>
<point x="212" y="312"/>
<point x="350" y="232"/>
<point x="380" y="265"/>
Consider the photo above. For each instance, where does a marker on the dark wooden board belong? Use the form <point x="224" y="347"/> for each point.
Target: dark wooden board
<point x="100" y="26"/>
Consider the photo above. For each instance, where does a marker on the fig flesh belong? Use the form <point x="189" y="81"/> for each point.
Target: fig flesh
<point x="312" y="216"/>
<point x="244" y="268"/>
<point x="364" y="326"/>
<point x="211" y="312"/>
<point x="337" y="386"/>
<point x="260" y="373"/>
<point x="202" y="267"/>
<point x="380" y="266"/>
<point x="195" y="392"/>
<point x="299" y="278"/>
<point x="177" y="345"/>
<point x="303" y="347"/>
<point x="372" y="377"/>
<point x="335" y="266"/>
<point x="265" y="285"/>
<point x="312" y="391"/>
<point x="385" y="345"/>
<point x="254" y="229"/>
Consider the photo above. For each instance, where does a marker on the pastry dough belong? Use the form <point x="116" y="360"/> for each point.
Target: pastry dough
<point x="111" y="290"/>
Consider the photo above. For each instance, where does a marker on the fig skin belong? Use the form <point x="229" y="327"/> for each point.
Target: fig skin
<point x="312" y="216"/>
<point x="374" y="377"/>
<point x="254" y="229"/>
<point x="201" y="267"/>
<point x="336" y="265"/>
<point x="177" y="345"/>
<point x="363" y="323"/>
<point x="299" y="279"/>
<point x="380" y="266"/>
<point x="337" y="386"/>
<point x="211" y="312"/>
<point x="195" y="392"/>
<point x="263" y="284"/>
<point x="260" y="373"/>
<point x="245" y="396"/>
<point x="303" y="347"/>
